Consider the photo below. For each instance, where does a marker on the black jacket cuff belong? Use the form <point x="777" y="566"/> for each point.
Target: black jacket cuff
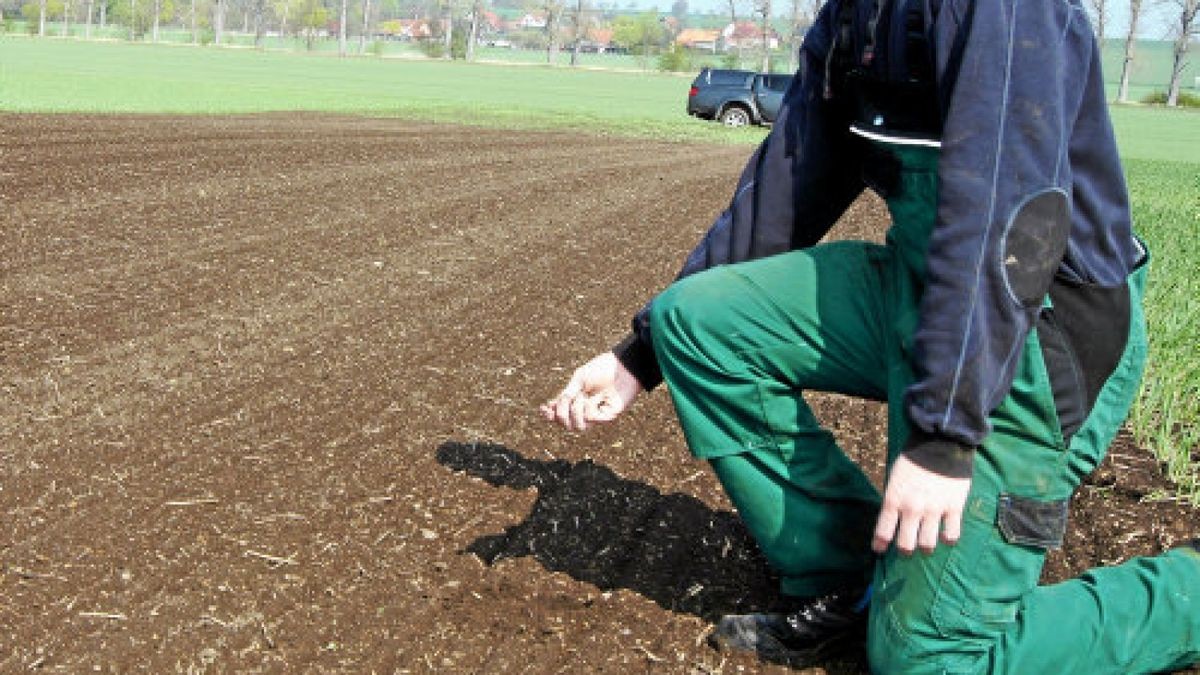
<point x="940" y="454"/>
<point x="638" y="358"/>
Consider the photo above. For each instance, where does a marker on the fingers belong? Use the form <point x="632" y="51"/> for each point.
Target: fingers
<point x="885" y="528"/>
<point x="906" y="533"/>
<point x="559" y="408"/>
<point x="952" y="527"/>
<point x="927" y="535"/>
<point x="913" y="530"/>
<point x="579" y="417"/>
<point x="575" y="408"/>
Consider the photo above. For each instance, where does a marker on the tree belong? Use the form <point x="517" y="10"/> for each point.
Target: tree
<point x="477" y="10"/>
<point x="733" y="27"/>
<point x="283" y="10"/>
<point x="87" y="31"/>
<point x="42" y="18"/>
<point x="259" y="10"/>
<point x="448" y="34"/>
<point x="342" y="30"/>
<point x="313" y="16"/>
<point x="1099" y="12"/>
<point x="638" y="33"/>
<point x="1187" y="30"/>
<point x="764" y="7"/>
<point x="579" y="28"/>
<point x="219" y="22"/>
<point x="554" y="12"/>
<point x="366" y="27"/>
<point x="141" y="16"/>
<point x="1135" y="12"/>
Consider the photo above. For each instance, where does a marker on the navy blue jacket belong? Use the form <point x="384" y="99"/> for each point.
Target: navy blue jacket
<point x="1025" y="138"/>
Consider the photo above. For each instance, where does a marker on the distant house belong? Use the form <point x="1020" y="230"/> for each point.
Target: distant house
<point x="531" y="20"/>
<point x="490" y="22"/>
<point x="747" y="35"/>
<point x="699" y="38"/>
<point x="405" y="29"/>
<point x="598" y="40"/>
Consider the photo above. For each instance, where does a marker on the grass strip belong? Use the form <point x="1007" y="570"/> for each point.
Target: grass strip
<point x="1166" y="417"/>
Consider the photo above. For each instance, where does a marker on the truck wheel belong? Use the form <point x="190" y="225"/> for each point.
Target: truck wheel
<point x="735" y="116"/>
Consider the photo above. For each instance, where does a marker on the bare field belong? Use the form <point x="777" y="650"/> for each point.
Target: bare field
<point x="268" y="392"/>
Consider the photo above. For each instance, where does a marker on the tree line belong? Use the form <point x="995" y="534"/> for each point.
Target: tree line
<point x="1183" y="32"/>
<point x="456" y="26"/>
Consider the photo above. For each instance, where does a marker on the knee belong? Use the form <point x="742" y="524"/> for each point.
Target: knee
<point x="683" y="315"/>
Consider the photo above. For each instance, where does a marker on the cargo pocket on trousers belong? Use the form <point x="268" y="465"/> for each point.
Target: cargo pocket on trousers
<point x="1032" y="522"/>
<point x="979" y="594"/>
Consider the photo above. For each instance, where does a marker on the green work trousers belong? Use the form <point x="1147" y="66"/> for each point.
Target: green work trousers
<point x="739" y="344"/>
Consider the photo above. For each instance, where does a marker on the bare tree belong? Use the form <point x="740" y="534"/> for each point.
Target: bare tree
<point x="366" y="27"/>
<point x="477" y="9"/>
<point x="793" y="39"/>
<point x="554" y="10"/>
<point x="1187" y="30"/>
<point x="763" y="7"/>
<point x="1135" y="13"/>
<point x="448" y="34"/>
<point x="1099" y="11"/>
<point x="218" y="21"/>
<point x="260" y="21"/>
<point x="342" y="30"/>
<point x="283" y="17"/>
<point x="87" y="31"/>
<point x="103" y="14"/>
<point x="580" y="30"/>
<point x="733" y="27"/>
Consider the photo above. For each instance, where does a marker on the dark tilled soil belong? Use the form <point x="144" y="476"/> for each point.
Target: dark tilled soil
<point x="268" y="393"/>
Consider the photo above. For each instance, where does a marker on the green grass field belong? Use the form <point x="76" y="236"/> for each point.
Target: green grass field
<point x="1166" y="203"/>
<point x="64" y="75"/>
<point x="1161" y="149"/>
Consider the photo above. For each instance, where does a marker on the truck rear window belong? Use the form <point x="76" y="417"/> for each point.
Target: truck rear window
<point x="729" y="78"/>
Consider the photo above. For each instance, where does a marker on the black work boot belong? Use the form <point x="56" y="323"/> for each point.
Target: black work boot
<point x="812" y="629"/>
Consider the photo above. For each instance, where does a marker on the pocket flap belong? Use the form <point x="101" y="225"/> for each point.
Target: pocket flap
<point x="1032" y="522"/>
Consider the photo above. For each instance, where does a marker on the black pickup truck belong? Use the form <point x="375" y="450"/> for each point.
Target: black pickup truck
<point x="737" y="97"/>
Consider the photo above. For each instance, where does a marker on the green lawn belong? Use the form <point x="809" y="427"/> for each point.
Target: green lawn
<point x="1166" y="204"/>
<point x="1161" y="148"/>
<point x="52" y="75"/>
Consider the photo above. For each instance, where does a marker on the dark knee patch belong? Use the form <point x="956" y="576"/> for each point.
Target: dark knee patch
<point x="1034" y="245"/>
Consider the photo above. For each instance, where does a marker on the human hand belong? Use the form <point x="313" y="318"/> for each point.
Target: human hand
<point x="916" y="504"/>
<point x="599" y="391"/>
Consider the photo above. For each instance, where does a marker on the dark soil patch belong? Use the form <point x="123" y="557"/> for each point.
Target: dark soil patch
<point x="269" y="396"/>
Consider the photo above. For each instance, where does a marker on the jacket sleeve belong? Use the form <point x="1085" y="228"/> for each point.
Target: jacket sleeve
<point x="1012" y="74"/>
<point x="792" y="190"/>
